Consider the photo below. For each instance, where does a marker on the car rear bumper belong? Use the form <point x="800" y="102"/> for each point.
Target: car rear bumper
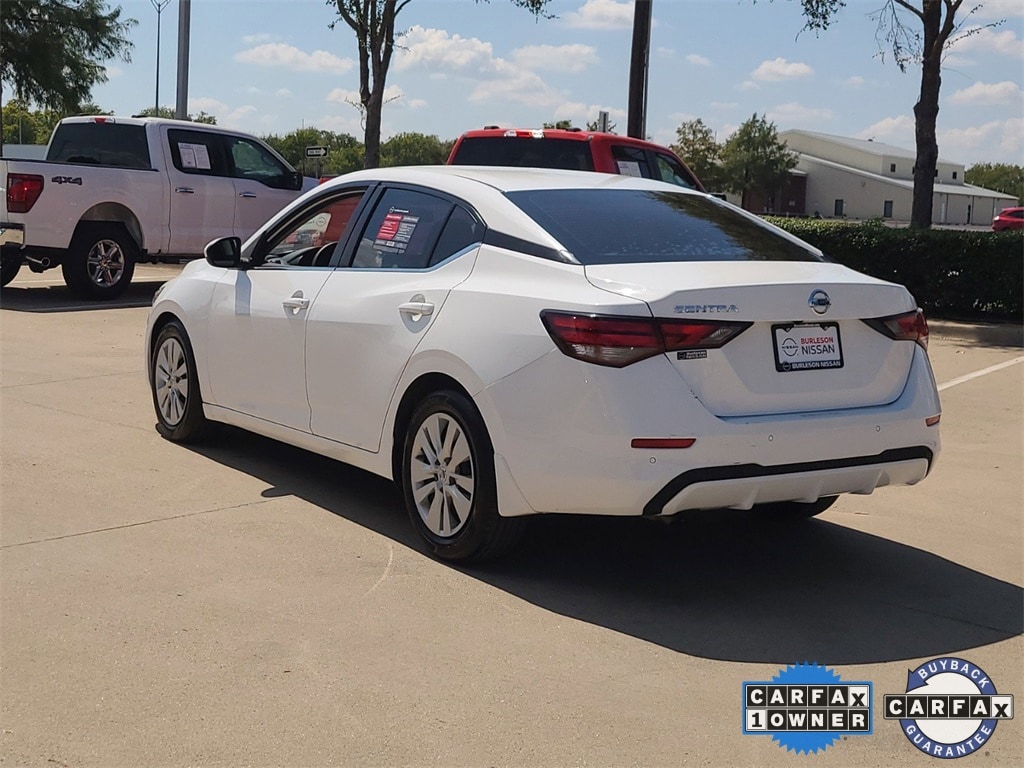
<point x="568" y="449"/>
<point x="741" y="487"/>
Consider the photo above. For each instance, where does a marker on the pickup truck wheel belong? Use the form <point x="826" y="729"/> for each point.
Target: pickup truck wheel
<point x="9" y="266"/>
<point x="175" y="386"/>
<point x="100" y="262"/>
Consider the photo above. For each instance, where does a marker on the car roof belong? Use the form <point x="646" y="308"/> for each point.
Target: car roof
<point x="574" y="134"/>
<point x="463" y="178"/>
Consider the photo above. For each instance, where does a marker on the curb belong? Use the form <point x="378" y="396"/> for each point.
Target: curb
<point x="987" y="334"/>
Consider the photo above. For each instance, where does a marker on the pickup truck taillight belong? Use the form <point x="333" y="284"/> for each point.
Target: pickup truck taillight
<point x="23" y="189"/>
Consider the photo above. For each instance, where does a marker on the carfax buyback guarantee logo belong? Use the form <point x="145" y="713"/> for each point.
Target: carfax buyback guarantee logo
<point x="950" y="708"/>
<point x="806" y="708"/>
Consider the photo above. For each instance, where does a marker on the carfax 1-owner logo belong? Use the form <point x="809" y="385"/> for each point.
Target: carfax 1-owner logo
<point x="950" y="708"/>
<point x="806" y="708"/>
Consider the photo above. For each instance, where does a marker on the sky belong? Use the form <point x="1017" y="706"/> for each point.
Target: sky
<point x="271" y="66"/>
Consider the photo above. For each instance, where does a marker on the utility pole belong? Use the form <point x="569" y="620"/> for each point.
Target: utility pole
<point x="638" y="64"/>
<point x="184" y="21"/>
<point x="159" y="5"/>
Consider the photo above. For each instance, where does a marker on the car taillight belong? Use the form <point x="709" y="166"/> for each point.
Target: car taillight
<point x="23" y="189"/>
<point x="619" y="341"/>
<point x="910" y="326"/>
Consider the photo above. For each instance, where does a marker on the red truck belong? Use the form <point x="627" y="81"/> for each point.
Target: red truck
<point x="573" y="150"/>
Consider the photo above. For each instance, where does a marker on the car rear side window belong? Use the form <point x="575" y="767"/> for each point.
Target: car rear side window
<point x="402" y="230"/>
<point x="621" y="226"/>
<point x="108" y="144"/>
<point x="461" y="231"/>
<point x="525" y="152"/>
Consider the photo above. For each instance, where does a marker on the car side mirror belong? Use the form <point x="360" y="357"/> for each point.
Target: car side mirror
<point x="224" y="252"/>
<point x="296" y="180"/>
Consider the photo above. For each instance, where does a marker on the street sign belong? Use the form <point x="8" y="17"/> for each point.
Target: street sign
<point x="317" y="151"/>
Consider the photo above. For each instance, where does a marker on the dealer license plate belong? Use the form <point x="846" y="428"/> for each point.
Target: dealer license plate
<point x="807" y="346"/>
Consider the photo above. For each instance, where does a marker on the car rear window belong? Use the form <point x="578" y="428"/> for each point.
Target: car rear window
<point x="621" y="226"/>
<point x="517" y="151"/>
<point x="108" y="144"/>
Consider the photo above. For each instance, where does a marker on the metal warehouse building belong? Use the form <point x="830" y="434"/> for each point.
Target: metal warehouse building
<point x="863" y="179"/>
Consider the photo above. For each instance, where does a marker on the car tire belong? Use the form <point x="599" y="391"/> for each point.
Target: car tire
<point x="100" y="262"/>
<point x="795" y="510"/>
<point x="9" y="267"/>
<point x="174" y="383"/>
<point x="448" y="484"/>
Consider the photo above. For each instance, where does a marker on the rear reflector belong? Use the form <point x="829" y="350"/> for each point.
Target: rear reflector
<point x="662" y="442"/>
<point x="23" y="189"/>
<point x="931" y="421"/>
<point x="910" y="326"/>
<point x="619" y="341"/>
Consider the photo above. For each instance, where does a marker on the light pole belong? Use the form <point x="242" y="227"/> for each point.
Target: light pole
<point x="159" y="5"/>
<point x="638" y="63"/>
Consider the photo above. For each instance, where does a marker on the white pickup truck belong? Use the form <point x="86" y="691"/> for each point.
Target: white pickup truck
<point x="114" y="191"/>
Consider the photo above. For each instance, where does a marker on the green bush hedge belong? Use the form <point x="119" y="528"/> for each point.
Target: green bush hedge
<point x="952" y="273"/>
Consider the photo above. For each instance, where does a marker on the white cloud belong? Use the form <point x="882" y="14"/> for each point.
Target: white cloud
<point x="748" y="85"/>
<point x="1000" y="141"/>
<point x="988" y="40"/>
<point x="290" y="57"/>
<point x="602" y="14"/>
<point x="778" y="69"/>
<point x="113" y="71"/>
<point x="518" y="86"/>
<point x="794" y="113"/>
<point x="282" y="93"/>
<point x="854" y="82"/>
<point x="342" y="96"/>
<point x="665" y="53"/>
<point x="563" y="58"/>
<point x="262" y="37"/>
<point x="497" y="79"/>
<point x="697" y="59"/>
<point x="989" y="94"/>
<point x="580" y="113"/>
<point x="896" y="130"/>
<point x="435" y="48"/>
<point x="240" y="118"/>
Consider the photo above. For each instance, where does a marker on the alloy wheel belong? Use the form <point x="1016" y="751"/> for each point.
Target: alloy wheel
<point x="170" y="378"/>
<point x="442" y="474"/>
<point x="105" y="263"/>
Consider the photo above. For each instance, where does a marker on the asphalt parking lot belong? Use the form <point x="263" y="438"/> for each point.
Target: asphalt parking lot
<point x="246" y="603"/>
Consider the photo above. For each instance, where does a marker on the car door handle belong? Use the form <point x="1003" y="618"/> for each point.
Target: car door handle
<point x="296" y="303"/>
<point x="248" y="194"/>
<point x="416" y="309"/>
<point x="185" y="190"/>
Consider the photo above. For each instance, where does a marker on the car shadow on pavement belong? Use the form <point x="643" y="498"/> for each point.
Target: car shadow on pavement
<point x="57" y="298"/>
<point x="720" y="585"/>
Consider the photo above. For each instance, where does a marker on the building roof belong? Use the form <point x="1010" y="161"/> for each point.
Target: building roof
<point x="865" y="145"/>
<point x="940" y="189"/>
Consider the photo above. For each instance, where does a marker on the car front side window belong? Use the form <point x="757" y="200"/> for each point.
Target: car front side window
<point x="313" y="239"/>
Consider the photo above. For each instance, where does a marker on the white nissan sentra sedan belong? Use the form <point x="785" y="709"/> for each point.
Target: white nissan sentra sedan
<point x="508" y="342"/>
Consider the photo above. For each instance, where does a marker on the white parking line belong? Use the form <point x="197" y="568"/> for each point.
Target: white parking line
<point x="982" y="372"/>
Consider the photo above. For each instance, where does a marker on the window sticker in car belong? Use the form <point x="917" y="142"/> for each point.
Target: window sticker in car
<point x="194" y="156"/>
<point x="396" y="230"/>
<point x="629" y="168"/>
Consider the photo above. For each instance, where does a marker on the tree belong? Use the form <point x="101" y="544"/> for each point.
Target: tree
<point x="344" y="152"/>
<point x="754" y="160"/>
<point x="415" y="149"/>
<point x="168" y="112"/>
<point x="373" y="22"/>
<point x="51" y="51"/>
<point x="595" y="125"/>
<point x="559" y="125"/>
<point x="697" y="146"/>
<point x="23" y="125"/>
<point x="915" y="31"/>
<point x="1001" y="177"/>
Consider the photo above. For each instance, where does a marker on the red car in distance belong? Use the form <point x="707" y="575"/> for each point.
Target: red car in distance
<point x="1008" y="218"/>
